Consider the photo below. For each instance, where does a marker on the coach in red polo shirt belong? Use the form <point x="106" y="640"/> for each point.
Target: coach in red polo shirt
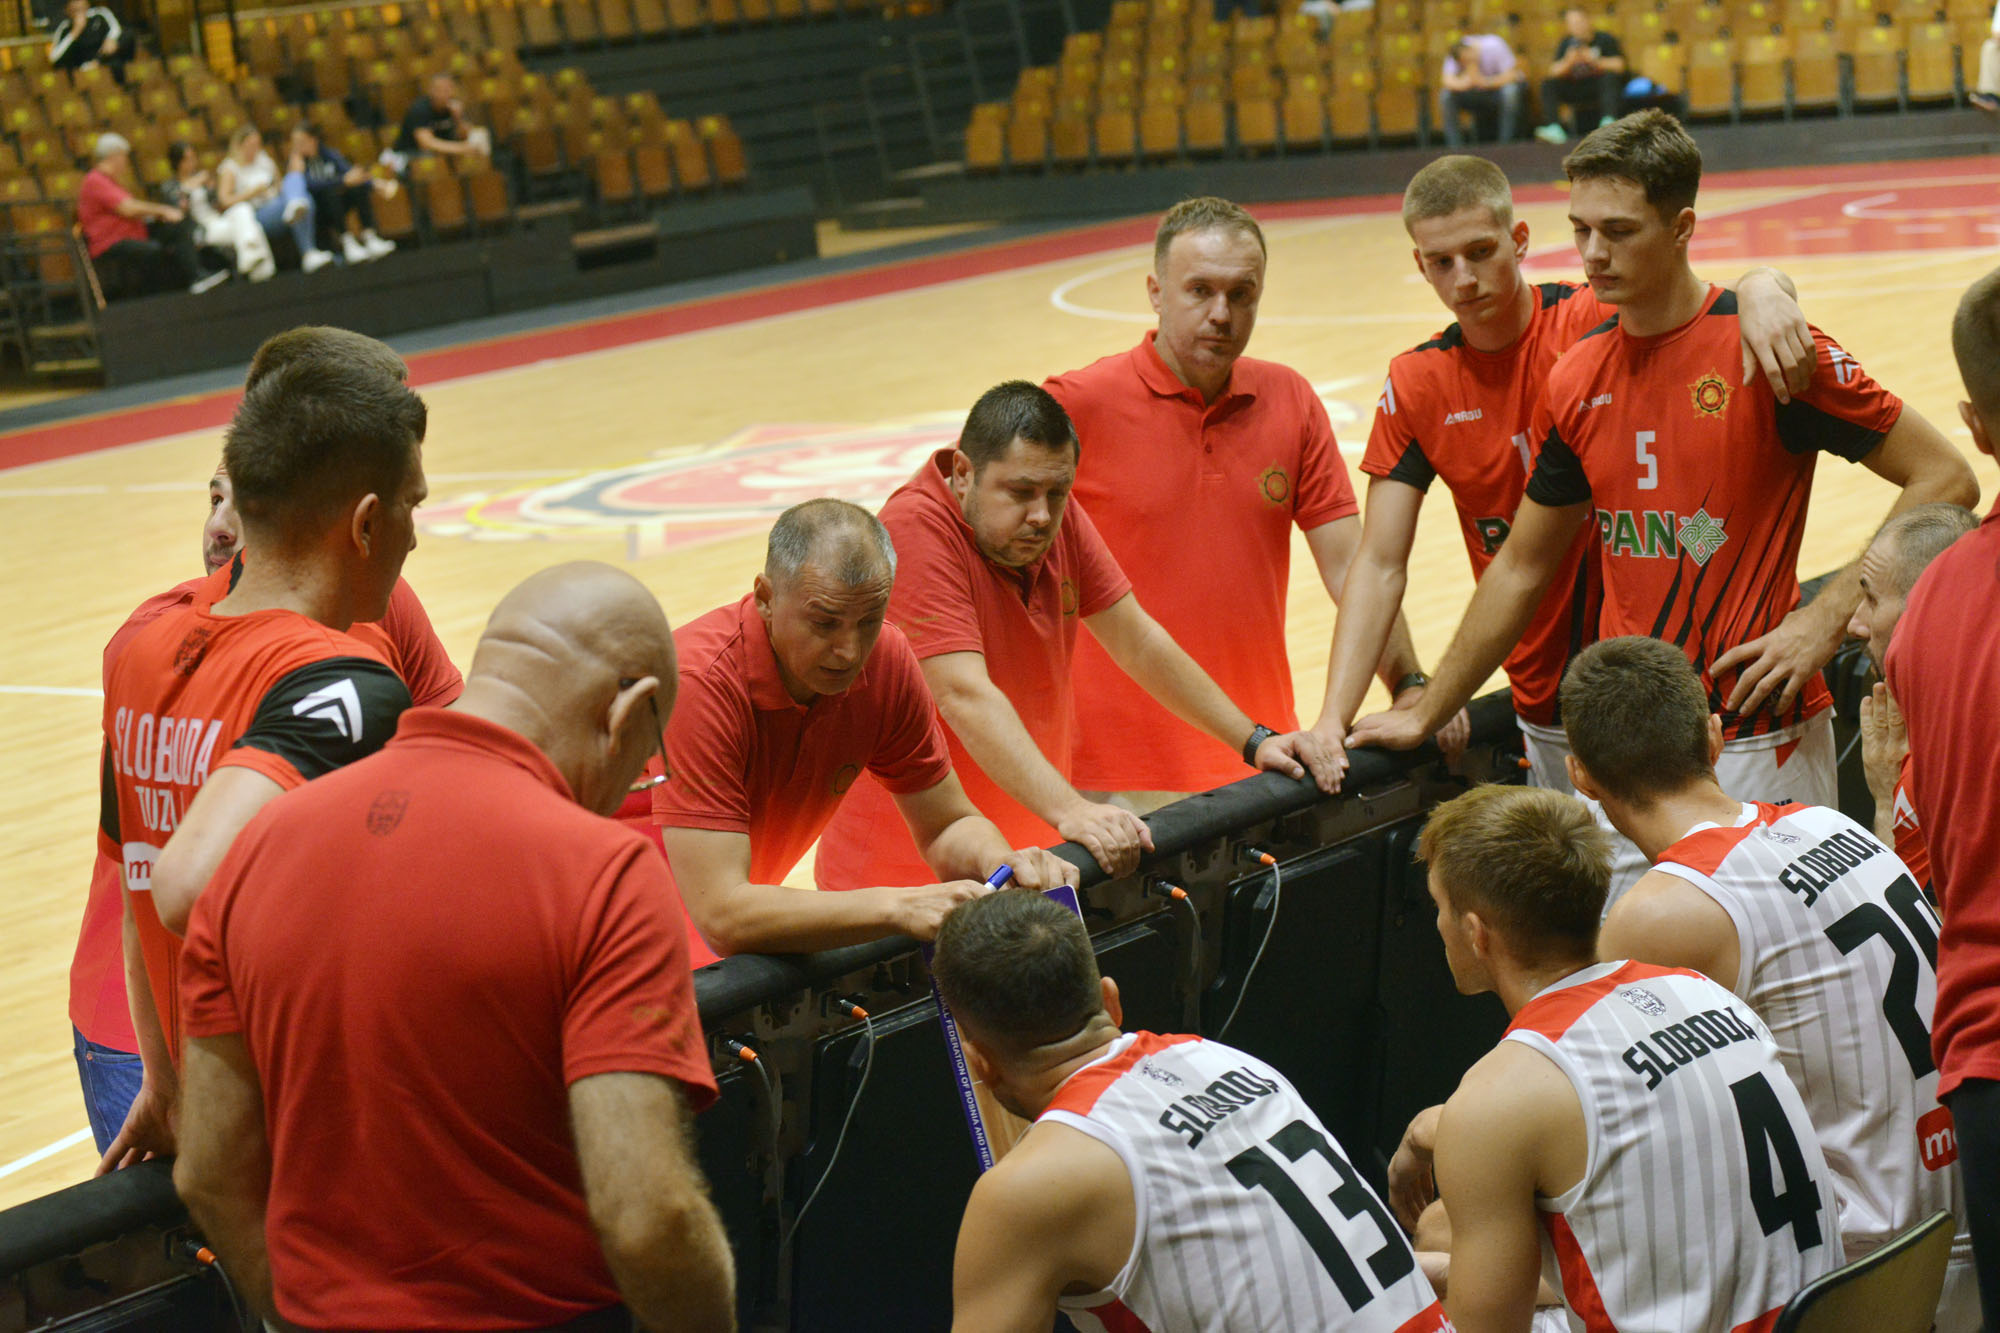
<point x="442" y="1041"/>
<point x="786" y="697"/>
<point x="1943" y="667"/>
<point x="1197" y="463"/>
<point x="998" y="567"/>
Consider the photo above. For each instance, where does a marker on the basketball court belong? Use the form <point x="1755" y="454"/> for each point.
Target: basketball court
<point x="667" y="440"/>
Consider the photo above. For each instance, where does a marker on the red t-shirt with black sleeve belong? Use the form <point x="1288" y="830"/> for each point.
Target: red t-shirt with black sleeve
<point x="193" y="692"/>
<point x="98" y="1005"/>
<point x="1450" y="412"/>
<point x="749" y="759"/>
<point x="1699" y="483"/>
<point x="1943" y="667"/>
<point x="97" y="200"/>
<point x="1197" y="501"/>
<point x="949" y="598"/>
<point x="422" y="952"/>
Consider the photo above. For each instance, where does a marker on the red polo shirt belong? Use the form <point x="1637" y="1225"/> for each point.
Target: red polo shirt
<point x="748" y="759"/>
<point x="949" y="598"/>
<point x="1944" y="669"/>
<point x="1197" y="502"/>
<point x="422" y="951"/>
<point x="97" y="201"/>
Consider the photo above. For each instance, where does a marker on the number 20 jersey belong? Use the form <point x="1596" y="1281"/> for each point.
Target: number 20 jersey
<point x="1247" y="1215"/>
<point x="1838" y="955"/>
<point x="1705" y="1203"/>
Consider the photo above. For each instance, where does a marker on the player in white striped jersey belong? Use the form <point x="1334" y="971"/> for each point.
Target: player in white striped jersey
<point x="1168" y="1183"/>
<point x="1800" y="911"/>
<point x="1633" y="1137"/>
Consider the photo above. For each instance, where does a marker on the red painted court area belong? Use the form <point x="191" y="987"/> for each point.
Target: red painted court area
<point x="1943" y="210"/>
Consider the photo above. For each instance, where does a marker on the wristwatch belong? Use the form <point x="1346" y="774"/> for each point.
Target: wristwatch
<point x="1258" y="735"/>
<point x="1415" y="680"/>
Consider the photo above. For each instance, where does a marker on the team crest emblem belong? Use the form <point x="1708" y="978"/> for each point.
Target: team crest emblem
<point x="1070" y="598"/>
<point x="191" y="651"/>
<point x="1701" y="536"/>
<point x="1277" y="487"/>
<point x="1643" y="1000"/>
<point x="843" y="778"/>
<point x="1710" y="394"/>
<point x="386" y="812"/>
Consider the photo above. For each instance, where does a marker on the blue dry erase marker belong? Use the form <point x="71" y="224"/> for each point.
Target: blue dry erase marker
<point x="1000" y="878"/>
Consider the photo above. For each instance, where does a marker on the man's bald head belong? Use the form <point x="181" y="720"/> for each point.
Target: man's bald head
<point x="840" y="541"/>
<point x="577" y="658"/>
<point x="308" y="340"/>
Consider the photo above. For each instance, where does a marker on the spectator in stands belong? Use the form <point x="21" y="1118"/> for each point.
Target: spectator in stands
<point x="1986" y="96"/>
<point x="91" y="35"/>
<point x="1481" y="76"/>
<point x="1585" y="77"/>
<point x="534" y="1165"/>
<point x="338" y="188"/>
<point x="248" y="175"/>
<point x="139" y="247"/>
<point x="235" y="230"/>
<point x="435" y="123"/>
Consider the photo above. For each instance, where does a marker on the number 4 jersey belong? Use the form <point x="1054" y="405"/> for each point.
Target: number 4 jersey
<point x="1705" y="1202"/>
<point x="1247" y="1215"/>
<point x="1839" y="957"/>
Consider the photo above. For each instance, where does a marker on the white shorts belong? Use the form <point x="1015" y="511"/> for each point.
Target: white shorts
<point x="1958" y="1304"/>
<point x="1547" y="748"/>
<point x="1796" y="764"/>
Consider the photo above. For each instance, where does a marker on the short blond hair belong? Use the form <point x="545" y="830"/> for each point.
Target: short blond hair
<point x="1456" y="182"/>
<point x="1533" y="863"/>
<point x="1208" y="213"/>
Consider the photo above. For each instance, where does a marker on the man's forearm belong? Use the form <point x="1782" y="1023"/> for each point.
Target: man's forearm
<point x="1370" y="605"/>
<point x="986" y="723"/>
<point x="151" y="1035"/>
<point x="966" y="848"/>
<point x="232" y="1222"/>
<point x="1399" y="657"/>
<point x="692" y="1285"/>
<point x="1163" y="669"/>
<point x="774" y="918"/>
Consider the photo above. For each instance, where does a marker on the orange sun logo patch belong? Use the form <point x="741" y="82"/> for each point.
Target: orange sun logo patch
<point x="1277" y="487"/>
<point x="1710" y="394"/>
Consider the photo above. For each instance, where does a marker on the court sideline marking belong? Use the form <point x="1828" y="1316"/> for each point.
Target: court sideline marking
<point x="63" y="1144"/>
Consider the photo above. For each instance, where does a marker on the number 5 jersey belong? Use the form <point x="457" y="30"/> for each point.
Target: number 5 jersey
<point x="1705" y="1203"/>
<point x="1247" y="1215"/>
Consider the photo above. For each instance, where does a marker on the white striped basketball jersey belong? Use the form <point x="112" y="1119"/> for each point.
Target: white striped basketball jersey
<point x="1705" y="1203"/>
<point x="1839" y="957"/>
<point x="1248" y="1217"/>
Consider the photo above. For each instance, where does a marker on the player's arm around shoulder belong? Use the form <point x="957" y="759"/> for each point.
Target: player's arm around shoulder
<point x="1056" y="1216"/>
<point x="1513" y="1130"/>
<point x="1668" y="922"/>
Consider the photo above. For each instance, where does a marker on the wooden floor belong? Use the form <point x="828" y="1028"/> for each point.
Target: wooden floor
<point x="728" y="424"/>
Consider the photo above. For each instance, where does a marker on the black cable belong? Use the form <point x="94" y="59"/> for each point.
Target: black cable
<point x="840" y="1139"/>
<point x="1243" y="989"/>
<point x="198" y="1254"/>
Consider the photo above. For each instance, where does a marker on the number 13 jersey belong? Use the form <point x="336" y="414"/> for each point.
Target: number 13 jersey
<point x="1705" y="1203"/>
<point x="1699" y="482"/>
<point x="1246" y="1214"/>
<point x="1838" y="955"/>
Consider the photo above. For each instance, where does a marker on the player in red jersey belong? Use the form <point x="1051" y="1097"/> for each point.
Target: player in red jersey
<point x="257" y="683"/>
<point x="1458" y="408"/>
<point x="1698" y="478"/>
<point x="1901" y="551"/>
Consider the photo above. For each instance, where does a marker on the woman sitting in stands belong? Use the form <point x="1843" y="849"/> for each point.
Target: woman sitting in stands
<point x="234" y="229"/>
<point x="249" y="176"/>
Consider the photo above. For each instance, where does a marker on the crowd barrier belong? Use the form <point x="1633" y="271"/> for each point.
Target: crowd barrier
<point x="1351" y="998"/>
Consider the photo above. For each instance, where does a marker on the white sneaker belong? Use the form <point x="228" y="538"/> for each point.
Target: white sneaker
<point x="312" y="261"/>
<point x="264" y="267"/>
<point x="352" y="250"/>
<point x="295" y="210"/>
<point x="208" y="281"/>
<point x="376" y="246"/>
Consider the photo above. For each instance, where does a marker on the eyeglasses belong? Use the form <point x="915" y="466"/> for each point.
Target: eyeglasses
<point x="660" y="731"/>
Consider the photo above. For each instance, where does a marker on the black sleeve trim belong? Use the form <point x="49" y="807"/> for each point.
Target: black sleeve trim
<point x="1413" y="468"/>
<point x="327" y="714"/>
<point x="107" y="798"/>
<point x="1803" y="428"/>
<point x="1725" y="304"/>
<point x="1558" y="479"/>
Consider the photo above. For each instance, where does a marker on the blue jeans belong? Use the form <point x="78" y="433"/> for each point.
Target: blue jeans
<point x="272" y="212"/>
<point x="110" y="1082"/>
